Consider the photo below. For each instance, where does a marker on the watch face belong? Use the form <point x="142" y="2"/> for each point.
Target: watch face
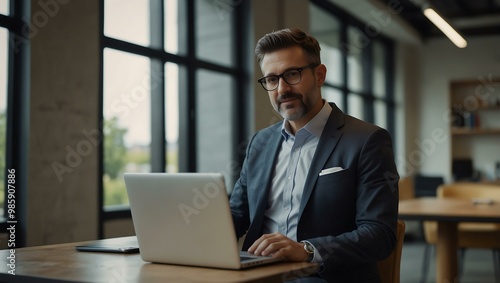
<point x="309" y="249"/>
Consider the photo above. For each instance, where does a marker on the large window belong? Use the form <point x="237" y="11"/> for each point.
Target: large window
<point x="172" y="77"/>
<point x="359" y="63"/>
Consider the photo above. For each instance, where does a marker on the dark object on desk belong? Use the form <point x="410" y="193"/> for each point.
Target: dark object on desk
<point x="426" y="186"/>
<point x="107" y="249"/>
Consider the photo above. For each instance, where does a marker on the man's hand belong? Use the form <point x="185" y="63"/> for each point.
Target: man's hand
<point x="279" y="246"/>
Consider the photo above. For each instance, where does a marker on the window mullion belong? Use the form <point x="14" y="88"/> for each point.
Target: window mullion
<point x="157" y="86"/>
<point x="368" y="94"/>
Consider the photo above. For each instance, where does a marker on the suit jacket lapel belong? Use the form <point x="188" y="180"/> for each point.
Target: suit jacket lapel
<point x="272" y="149"/>
<point x="329" y="139"/>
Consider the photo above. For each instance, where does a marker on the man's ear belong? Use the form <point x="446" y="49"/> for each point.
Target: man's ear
<point x="320" y="74"/>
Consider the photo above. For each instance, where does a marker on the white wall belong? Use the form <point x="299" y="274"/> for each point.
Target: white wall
<point x="407" y="89"/>
<point x="441" y="63"/>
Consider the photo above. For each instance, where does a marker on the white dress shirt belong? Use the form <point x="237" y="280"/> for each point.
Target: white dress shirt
<point x="292" y="167"/>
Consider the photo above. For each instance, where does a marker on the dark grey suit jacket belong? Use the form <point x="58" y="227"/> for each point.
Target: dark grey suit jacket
<point x="349" y="216"/>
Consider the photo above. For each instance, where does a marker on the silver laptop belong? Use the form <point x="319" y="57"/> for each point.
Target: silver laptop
<point x="184" y="218"/>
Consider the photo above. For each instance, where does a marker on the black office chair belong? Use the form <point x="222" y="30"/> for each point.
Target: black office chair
<point x="426" y="186"/>
<point x="463" y="170"/>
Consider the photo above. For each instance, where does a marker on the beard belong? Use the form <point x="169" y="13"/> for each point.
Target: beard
<point x="290" y="112"/>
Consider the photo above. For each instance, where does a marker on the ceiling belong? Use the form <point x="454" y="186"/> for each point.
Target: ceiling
<point x="469" y="17"/>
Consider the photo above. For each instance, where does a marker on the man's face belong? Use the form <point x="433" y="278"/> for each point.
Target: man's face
<point x="299" y="102"/>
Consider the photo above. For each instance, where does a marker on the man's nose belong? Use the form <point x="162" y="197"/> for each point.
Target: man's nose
<point x="283" y="86"/>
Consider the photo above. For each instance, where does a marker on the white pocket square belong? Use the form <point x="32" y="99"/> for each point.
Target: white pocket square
<point x="330" y="170"/>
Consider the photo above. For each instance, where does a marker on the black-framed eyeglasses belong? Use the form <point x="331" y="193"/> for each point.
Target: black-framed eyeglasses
<point x="291" y="77"/>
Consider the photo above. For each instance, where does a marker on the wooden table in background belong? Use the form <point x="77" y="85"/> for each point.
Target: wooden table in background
<point x="448" y="213"/>
<point x="62" y="263"/>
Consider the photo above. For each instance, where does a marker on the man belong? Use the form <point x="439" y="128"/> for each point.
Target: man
<point x="320" y="186"/>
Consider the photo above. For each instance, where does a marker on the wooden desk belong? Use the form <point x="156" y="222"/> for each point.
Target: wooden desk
<point x="62" y="263"/>
<point x="447" y="213"/>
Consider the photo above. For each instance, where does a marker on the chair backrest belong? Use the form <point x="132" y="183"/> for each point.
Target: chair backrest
<point x="406" y="188"/>
<point x="389" y="268"/>
<point x="469" y="191"/>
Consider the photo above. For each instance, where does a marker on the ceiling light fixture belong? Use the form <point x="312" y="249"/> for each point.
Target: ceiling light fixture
<point x="445" y="27"/>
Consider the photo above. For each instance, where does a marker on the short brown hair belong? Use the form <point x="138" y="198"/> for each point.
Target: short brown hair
<point x="286" y="38"/>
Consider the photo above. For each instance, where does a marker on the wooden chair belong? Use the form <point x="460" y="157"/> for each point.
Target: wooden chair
<point x="470" y="235"/>
<point x="389" y="268"/>
<point x="406" y="188"/>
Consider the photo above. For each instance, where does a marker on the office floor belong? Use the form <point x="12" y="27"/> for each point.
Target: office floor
<point x="478" y="265"/>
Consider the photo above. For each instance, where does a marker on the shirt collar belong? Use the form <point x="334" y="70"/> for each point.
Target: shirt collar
<point x="314" y="127"/>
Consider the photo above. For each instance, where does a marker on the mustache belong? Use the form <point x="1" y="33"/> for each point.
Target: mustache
<point x="287" y="96"/>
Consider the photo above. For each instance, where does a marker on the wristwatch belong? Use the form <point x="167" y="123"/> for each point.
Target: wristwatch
<point x="309" y="250"/>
